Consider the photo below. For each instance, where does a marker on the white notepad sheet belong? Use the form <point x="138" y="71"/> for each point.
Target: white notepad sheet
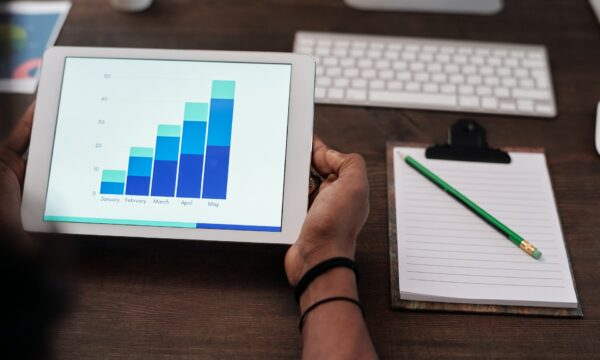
<point x="446" y="253"/>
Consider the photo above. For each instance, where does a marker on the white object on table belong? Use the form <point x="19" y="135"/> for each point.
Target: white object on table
<point x="596" y="7"/>
<point x="402" y="72"/>
<point x="131" y="5"/>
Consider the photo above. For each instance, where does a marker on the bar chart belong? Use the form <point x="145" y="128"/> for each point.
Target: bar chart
<point x="190" y="160"/>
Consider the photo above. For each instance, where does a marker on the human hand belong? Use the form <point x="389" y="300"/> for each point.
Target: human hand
<point x="336" y="215"/>
<point x="12" y="173"/>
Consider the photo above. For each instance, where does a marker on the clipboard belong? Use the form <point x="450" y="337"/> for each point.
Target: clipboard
<point x="467" y="142"/>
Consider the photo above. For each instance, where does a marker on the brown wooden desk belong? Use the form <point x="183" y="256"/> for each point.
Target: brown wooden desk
<point x="167" y="299"/>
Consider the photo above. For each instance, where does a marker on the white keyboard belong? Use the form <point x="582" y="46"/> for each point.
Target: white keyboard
<point x="430" y="74"/>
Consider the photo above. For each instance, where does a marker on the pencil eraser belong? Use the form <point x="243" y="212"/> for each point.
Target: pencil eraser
<point x="537" y="254"/>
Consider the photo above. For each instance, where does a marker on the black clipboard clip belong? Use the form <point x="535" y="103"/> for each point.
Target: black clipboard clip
<point x="467" y="142"/>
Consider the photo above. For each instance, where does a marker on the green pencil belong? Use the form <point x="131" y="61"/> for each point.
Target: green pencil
<point x="487" y="217"/>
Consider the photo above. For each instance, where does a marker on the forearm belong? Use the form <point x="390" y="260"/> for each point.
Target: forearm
<point x="334" y="330"/>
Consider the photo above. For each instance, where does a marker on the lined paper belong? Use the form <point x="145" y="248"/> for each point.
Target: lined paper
<point x="446" y="253"/>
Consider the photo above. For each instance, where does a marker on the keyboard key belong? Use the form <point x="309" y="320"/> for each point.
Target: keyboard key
<point x="341" y="82"/>
<point x="410" y="56"/>
<point x="320" y="92"/>
<point x="374" y="54"/>
<point x="323" y="51"/>
<point x="413" y="87"/>
<point x="483" y="91"/>
<point x="348" y="62"/>
<point x="340" y="52"/>
<point x="489" y="103"/>
<point x="502" y="92"/>
<point x="400" y="65"/>
<point x="355" y="94"/>
<point x="365" y="63"/>
<point x="525" y="105"/>
<point x="474" y="80"/>
<point x="469" y="101"/>
<point x="422" y="76"/>
<point x="533" y="63"/>
<point x="324" y="81"/>
<point x="531" y="94"/>
<point x="417" y="66"/>
<point x="526" y="83"/>
<point x="333" y="71"/>
<point x="368" y="73"/>
<point x="382" y="64"/>
<point x="386" y="74"/>
<point x="466" y="90"/>
<point x="351" y="72"/>
<point x="376" y="84"/>
<point x="357" y="53"/>
<point x="394" y="85"/>
<point x="508" y="106"/>
<point x="449" y="89"/>
<point x="431" y="88"/>
<point x="439" y="78"/>
<point x="335" y="93"/>
<point x="391" y="55"/>
<point x="491" y="80"/>
<point x="545" y="109"/>
<point x="359" y="83"/>
<point x="457" y="79"/>
<point x="509" y="82"/>
<point x="404" y="76"/>
<point x="411" y="98"/>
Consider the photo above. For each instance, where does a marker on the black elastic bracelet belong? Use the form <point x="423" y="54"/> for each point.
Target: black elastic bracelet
<point x="324" y="301"/>
<point x="320" y="269"/>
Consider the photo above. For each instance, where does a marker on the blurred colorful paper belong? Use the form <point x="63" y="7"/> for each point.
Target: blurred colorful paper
<point x="27" y="28"/>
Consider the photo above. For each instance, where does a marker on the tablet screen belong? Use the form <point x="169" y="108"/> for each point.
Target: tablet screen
<point x="191" y="144"/>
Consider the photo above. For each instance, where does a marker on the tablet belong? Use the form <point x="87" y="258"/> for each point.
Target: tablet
<point x="204" y="145"/>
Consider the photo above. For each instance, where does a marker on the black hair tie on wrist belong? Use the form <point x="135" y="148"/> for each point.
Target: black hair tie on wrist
<point x="325" y="301"/>
<point x="320" y="269"/>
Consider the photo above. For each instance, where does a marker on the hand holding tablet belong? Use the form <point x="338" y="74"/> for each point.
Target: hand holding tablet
<point x="171" y="144"/>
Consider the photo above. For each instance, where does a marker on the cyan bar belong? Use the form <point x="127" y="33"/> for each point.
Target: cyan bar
<point x="119" y="221"/>
<point x="223" y="89"/>
<point x="141" y="152"/>
<point x="169" y="130"/>
<point x="116" y="176"/>
<point x="195" y="112"/>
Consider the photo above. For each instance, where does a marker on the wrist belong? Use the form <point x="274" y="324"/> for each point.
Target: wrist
<point x="335" y="282"/>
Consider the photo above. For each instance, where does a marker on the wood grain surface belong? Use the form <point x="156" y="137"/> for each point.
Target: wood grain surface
<point x="151" y="299"/>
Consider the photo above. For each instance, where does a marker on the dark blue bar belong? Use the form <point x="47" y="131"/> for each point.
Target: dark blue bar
<point x="137" y="185"/>
<point x="216" y="172"/>
<point x="190" y="176"/>
<point x="111" y="188"/>
<point x="239" y="227"/>
<point x="163" y="179"/>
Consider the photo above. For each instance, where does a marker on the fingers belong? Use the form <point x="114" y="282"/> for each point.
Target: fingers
<point x="328" y="161"/>
<point x="18" y="140"/>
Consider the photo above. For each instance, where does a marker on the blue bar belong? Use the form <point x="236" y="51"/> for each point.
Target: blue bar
<point x="111" y="188"/>
<point x="216" y="172"/>
<point x="138" y="176"/>
<point x="165" y="161"/>
<point x="239" y="227"/>
<point x="220" y="121"/>
<point x="138" y="185"/>
<point x="191" y="160"/>
<point x="167" y="148"/>
<point x="193" y="139"/>
<point x="190" y="176"/>
<point x="163" y="179"/>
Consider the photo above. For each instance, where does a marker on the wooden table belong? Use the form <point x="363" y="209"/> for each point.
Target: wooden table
<point x="166" y="299"/>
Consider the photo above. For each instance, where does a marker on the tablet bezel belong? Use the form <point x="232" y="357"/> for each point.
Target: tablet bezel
<point x="297" y="158"/>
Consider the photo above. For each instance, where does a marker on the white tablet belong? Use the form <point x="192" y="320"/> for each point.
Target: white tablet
<point x="204" y="145"/>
